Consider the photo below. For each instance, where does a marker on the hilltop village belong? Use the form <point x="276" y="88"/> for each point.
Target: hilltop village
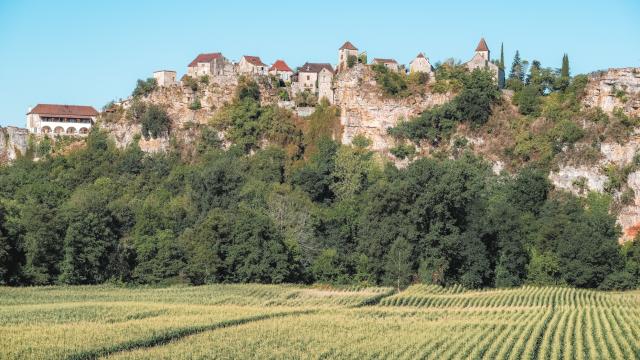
<point x="315" y="80"/>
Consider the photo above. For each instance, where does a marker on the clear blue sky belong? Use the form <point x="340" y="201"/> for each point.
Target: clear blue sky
<point x="90" y="52"/>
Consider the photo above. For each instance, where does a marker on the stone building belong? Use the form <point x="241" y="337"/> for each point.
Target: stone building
<point x="421" y="64"/>
<point x="482" y="60"/>
<point x="252" y="65"/>
<point x="390" y="64"/>
<point x="165" y="77"/>
<point x="281" y="70"/>
<point x="316" y="78"/>
<point x="61" y="119"/>
<point x="345" y="51"/>
<point x="211" y="64"/>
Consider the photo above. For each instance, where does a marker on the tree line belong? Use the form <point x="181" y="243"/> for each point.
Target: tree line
<point x="303" y="209"/>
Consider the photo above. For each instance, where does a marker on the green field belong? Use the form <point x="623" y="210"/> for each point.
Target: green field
<point x="287" y="321"/>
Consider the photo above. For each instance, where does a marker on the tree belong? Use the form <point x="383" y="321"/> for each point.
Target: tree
<point x="565" y="76"/>
<point x="145" y="87"/>
<point x="474" y="102"/>
<point x="155" y="122"/>
<point x="502" y="56"/>
<point x="398" y="266"/>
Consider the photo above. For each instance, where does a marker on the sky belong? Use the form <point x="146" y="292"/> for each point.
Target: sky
<point x="91" y="52"/>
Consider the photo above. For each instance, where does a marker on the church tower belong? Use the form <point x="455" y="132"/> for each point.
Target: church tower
<point x="483" y="50"/>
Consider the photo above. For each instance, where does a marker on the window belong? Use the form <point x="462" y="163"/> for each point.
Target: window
<point x="308" y="77"/>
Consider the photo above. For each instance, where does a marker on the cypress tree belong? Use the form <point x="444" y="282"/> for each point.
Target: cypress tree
<point x="564" y="72"/>
<point x="502" y="56"/>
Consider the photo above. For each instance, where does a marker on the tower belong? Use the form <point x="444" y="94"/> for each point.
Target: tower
<point x="344" y="53"/>
<point x="483" y="50"/>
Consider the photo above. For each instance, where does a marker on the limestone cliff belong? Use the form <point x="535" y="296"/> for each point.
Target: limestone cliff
<point x="614" y="88"/>
<point x="13" y="143"/>
<point x="366" y="110"/>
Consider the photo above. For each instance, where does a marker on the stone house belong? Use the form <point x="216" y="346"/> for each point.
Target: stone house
<point x="482" y="60"/>
<point x="390" y="64"/>
<point x="165" y="77"/>
<point x="61" y="119"/>
<point x="281" y="70"/>
<point x="252" y="65"/>
<point x="211" y="64"/>
<point x="421" y="64"/>
<point x="317" y="78"/>
<point x="345" y="51"/>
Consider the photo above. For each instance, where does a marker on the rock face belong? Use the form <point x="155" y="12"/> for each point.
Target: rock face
<point x="13" y="142"/>
<point x="614" y="88"/>
<point x="365" y="110"/>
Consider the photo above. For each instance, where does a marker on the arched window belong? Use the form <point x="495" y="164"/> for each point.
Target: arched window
<point x="58" y="130"/>
<point x="84" y="131"/>
<point x="45" y="130"/>
<point x="71" y="130"/>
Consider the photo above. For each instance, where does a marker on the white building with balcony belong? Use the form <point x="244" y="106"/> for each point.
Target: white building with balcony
<point x="61" y="119"/>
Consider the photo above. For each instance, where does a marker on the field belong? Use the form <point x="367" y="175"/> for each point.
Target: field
<point x="287" y="321"/>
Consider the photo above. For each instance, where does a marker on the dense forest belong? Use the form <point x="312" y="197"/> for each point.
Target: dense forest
<point x="287" y="203"/>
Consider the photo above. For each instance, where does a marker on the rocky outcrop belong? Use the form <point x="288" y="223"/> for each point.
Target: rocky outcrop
<point x="14" y="142"/>
<point x="614" y="88"/>
<point x="366" y="110"/>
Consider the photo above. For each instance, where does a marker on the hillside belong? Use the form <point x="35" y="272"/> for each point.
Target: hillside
<point x="270" y="321"/>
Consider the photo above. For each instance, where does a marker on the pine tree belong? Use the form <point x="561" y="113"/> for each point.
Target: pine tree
<point x="502" y="56"/>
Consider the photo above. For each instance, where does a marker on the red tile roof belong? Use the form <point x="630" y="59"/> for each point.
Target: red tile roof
<point x="482" y="46"/>
<point x="421" y="55"/>
<point x="254" y="60"/>
<point x="315" y="67"/>
<point x="280" y="65"/>
<point x="64" y="110"/>
<point x="349" y="46"/>
<point x="205" y="58"/>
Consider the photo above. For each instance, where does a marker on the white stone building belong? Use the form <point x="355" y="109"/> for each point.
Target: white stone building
<point x="345" y="51"/>
<point x="165" y="77"/>
<point x="61" y="119"/>
<point x="390" y="64"/>
<point x="210" y="64"/>
<point x="316" y="78"/>
<point x="252" y="65"/>
<point x="482" y="60"/>
<point x="281" y="70"/>
<point x="421" y="64"/>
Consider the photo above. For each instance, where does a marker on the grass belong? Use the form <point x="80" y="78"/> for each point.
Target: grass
<point x="294" y="322"/>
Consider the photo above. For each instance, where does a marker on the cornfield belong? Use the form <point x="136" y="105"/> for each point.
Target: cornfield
<point x="287" y="321"/>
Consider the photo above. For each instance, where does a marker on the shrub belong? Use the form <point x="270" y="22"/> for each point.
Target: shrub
<point x="144" y="87"/>
<point x="480" y="92"/>
<point x="155" y="122"/>
<point x="195" y="105"/>
<point x="247" y="89"/>
<point x="306" y="98"/>
<point x="619" y="281"/>
<point x="403" y="151"/>
<point x="351" y="61"/>
<point x="392" y="83"/>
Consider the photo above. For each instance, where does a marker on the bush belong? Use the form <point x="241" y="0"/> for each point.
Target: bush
<point x="306" y="99"/>
<point x="403" y="151"/>
<point x="247" y="89"/>
<point x="351" y="61"/>
<point x="392" y="83"/>
<point x="619" y="281"/>
<point x="480" y="92"/>
<point x="195" y="105"/>
<point x="155" y="122"/>
<point x="528" y="101"/>
<point x="144" y="87"/>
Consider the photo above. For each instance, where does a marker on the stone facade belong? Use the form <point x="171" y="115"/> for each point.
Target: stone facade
<point x="165" y="77"/>
<point x="315" y="78"/>
<point x="421" y="64"/>
<point x="252" y="65"/>
<point x="61" y="119"/>
<point x="211" y="64"/>
<point x="390" y="64"/>
<point x="281" y="70"/>
<point x="482" y="60"/>
<point x="345" y="51"/>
